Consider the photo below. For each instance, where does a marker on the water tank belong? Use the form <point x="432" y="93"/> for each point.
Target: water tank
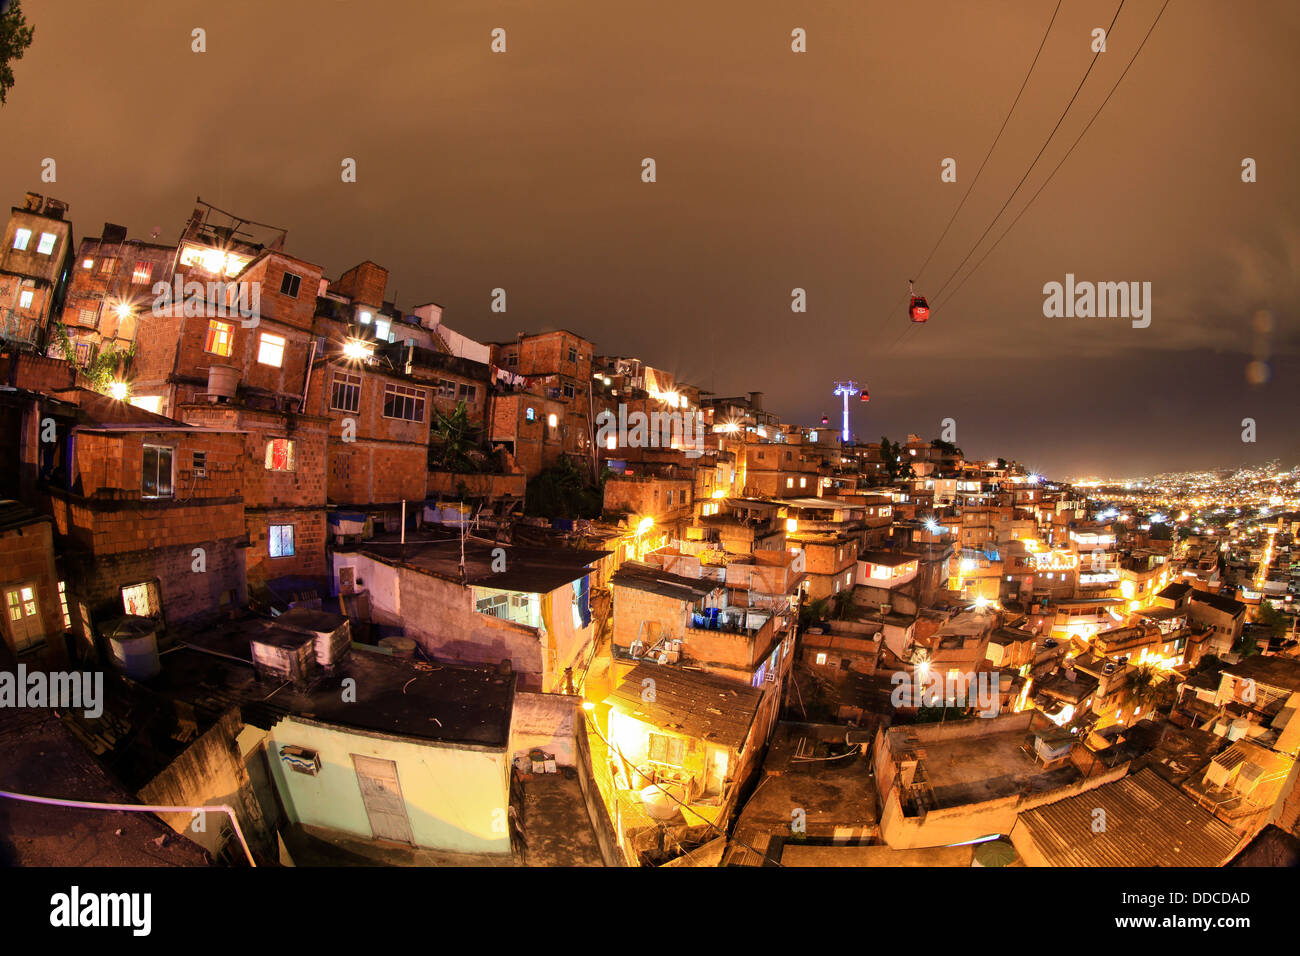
<point x="133" y="642"/>
<point x="1237" y="729"/>
<point x="658" y="800"/>
<point x="222" y="382"/>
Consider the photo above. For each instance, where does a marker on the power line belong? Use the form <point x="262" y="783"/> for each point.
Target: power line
<point x="709" y="823"/>
<point x="992" y="146"/>
<point x="1037" y="157"/>
<point x="1042" y="43"/>
<point x="1131" y="61"/>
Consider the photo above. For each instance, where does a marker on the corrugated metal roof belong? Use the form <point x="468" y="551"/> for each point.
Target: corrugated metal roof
<point x="1148" y="822"/>
<point x="690" y="703"/>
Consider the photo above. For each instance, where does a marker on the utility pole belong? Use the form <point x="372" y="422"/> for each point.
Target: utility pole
<point x="848" y="390"/>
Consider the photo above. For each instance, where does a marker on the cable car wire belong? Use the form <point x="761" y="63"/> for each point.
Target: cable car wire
<point x="1037" y="157"/>
<point x="992" y="146"/>
<point x="1131" y="61"/>
<point x="1042" y="43"/>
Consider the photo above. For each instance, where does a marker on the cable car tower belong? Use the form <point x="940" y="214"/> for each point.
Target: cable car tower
<point x="848" y="390"/>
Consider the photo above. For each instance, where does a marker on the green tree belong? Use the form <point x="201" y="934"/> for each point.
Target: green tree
<point x="454" y="440"/>
<point x="898" y="464"/>
<point x="15" y="38"/>
<point x="1273" y="619"/>
<point x="106" y="366"/>
<point x="564" y="491"/>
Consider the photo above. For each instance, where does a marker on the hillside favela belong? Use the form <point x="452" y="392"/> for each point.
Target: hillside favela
<point x="295" y="572"/>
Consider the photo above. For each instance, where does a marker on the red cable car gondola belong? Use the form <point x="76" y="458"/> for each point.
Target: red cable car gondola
<point x="825" y="420"/>
<point x="866" y="397"/>
<point x="917" y="308"/>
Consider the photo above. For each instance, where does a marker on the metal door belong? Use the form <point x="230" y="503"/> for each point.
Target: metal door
<point x="382" y="795"/>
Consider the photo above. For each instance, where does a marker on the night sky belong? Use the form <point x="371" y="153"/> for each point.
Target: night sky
<point x="775" y="170"/>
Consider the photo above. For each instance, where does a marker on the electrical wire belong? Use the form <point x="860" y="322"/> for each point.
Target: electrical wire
<point x="1050" y="136"/>
<point x="1131" y="61"/>
<point x="992" y="146"/>
<point x="709" y="823"/>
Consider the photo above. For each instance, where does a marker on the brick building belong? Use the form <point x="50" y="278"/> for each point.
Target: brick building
<point x="35" y="260"/>
<point x="149" y="511"/>
<point x="31" y="594"/>
<point x="112" y="282"/>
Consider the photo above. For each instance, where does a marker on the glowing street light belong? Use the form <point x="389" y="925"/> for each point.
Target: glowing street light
<point x="118" y="390"/>
<point x="356" y="350"/>
<point x="848" y="390"/>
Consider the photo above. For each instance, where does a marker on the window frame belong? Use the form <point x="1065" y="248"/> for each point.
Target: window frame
<point x="291" y="456"/>
<point x="25" y="235"/>
<point x="226" y="330"/>
<point x="44" y="248"/>
<point x="262" y="344"/>
<point x="341" y="383"/>
<point x="286" y="284"/>
<point x="418" y="398"/>
<point x="274" y="531"/>
<point x="171" y="463"/>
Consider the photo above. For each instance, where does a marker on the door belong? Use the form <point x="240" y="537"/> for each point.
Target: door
<point x="382" y="795"/>
<point x="24" y="616"/>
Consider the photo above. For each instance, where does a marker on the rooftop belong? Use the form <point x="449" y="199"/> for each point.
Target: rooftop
<point x="690" y="703"/>
<point x="1149" y="822"/>
<point x="527" y="569"/>
<point x="438" y="702"/>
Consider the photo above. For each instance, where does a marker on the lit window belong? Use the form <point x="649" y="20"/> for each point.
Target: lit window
<point x="86" y="317"/>
<point x="404" y="403"/>
<point x="221" y="336"/>
<point x="87" y="263"/>
<point x="345" y="393"/>
<point x="138" y="599"/>
<point x="789" y="482"/>
<point x="803" y="482"/>
<point x="821" y="658"/>
<point x="281" y="540"/>
<point x="107" y="266"/>
<point x="142" y="273"/>
<point x="530" y="415"/>
<point x="271" y="350"/>
<point x="552" y="420"/>
<point x="365" y="318"/>
<point x="63" y="601"/>
<point x="25" y="299"/>
<point x="157" y="478"/>
<point x="46" y="245"/>
<point x="21" y="238"/>
<point x="280" y="455"/>
<point x="289" y="285"/>
<point x="381" y="330"/>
